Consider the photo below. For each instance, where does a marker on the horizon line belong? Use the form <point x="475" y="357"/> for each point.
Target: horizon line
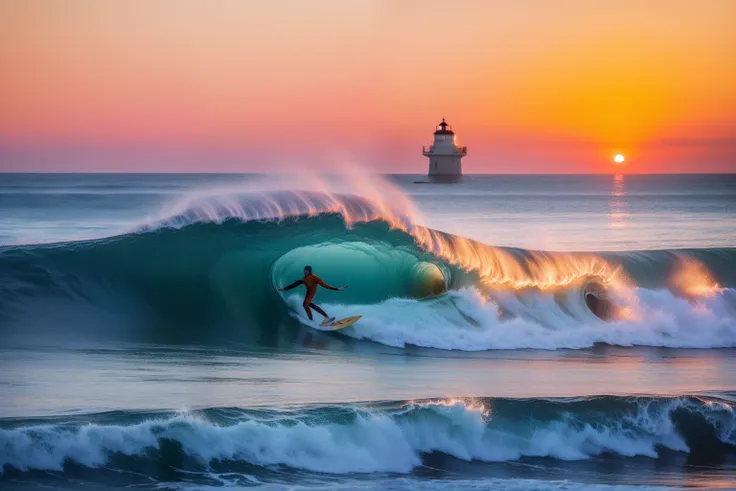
<point x="371" y="173"/>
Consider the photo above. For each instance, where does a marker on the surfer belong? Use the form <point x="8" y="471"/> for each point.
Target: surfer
<point x="311" y="281"/>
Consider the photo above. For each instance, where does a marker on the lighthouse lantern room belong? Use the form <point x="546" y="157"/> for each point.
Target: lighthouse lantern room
<point x="444" y="154"/>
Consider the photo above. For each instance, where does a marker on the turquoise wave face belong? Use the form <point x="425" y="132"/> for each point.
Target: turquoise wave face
<point x="228" y="272"/>
<point x="374" y="272"/>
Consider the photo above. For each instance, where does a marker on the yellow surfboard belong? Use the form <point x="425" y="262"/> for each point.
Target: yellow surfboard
<point x="341" y="324"/>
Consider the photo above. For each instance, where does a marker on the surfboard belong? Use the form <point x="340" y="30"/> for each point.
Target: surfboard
<point x="341" y="324"/>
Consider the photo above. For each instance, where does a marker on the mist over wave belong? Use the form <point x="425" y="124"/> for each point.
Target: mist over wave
<point x="216" y="258"/>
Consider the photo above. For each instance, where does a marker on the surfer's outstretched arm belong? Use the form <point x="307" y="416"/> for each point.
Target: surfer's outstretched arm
<point x="329" y="287"/>
<point x="293" y="285"/>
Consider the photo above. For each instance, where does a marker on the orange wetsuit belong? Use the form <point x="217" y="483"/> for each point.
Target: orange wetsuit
<point x="310" y="281"/>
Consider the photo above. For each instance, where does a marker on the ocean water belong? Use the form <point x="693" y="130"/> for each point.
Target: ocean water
<point x="519" y="332"/>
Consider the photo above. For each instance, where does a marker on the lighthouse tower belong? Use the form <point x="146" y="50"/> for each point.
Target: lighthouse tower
<point x="444" y="154"/>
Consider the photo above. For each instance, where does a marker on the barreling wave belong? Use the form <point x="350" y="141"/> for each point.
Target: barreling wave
<point x="388" y="437"/>
<point x="218" y="259"/>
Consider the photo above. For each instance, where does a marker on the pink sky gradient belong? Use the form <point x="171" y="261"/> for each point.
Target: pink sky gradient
<point x="241" y="86"/>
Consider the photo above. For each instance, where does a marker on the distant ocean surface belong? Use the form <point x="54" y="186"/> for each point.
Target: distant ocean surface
<point x="518" y="332"/>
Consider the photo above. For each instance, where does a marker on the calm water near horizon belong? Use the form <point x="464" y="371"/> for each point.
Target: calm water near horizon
<point x="549" y="212"/>
<point x="143" y="342"/>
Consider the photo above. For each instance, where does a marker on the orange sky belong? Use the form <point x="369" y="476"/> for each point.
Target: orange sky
<point x="236" y="85"/>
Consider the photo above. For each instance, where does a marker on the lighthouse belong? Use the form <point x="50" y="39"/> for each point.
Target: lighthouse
<point x="444" y="154"/>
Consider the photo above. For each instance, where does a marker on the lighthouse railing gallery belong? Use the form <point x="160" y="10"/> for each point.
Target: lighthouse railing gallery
<point x="430" y="149"/>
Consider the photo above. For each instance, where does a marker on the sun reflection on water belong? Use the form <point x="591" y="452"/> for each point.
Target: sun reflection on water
<point x="618" y="204"/>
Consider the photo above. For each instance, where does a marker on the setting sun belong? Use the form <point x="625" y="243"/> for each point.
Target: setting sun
<point x="619" y="159"/>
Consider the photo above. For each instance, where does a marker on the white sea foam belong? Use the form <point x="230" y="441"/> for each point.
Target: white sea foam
<point x="369" y="442"/>
<point x="466" y="320"/>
